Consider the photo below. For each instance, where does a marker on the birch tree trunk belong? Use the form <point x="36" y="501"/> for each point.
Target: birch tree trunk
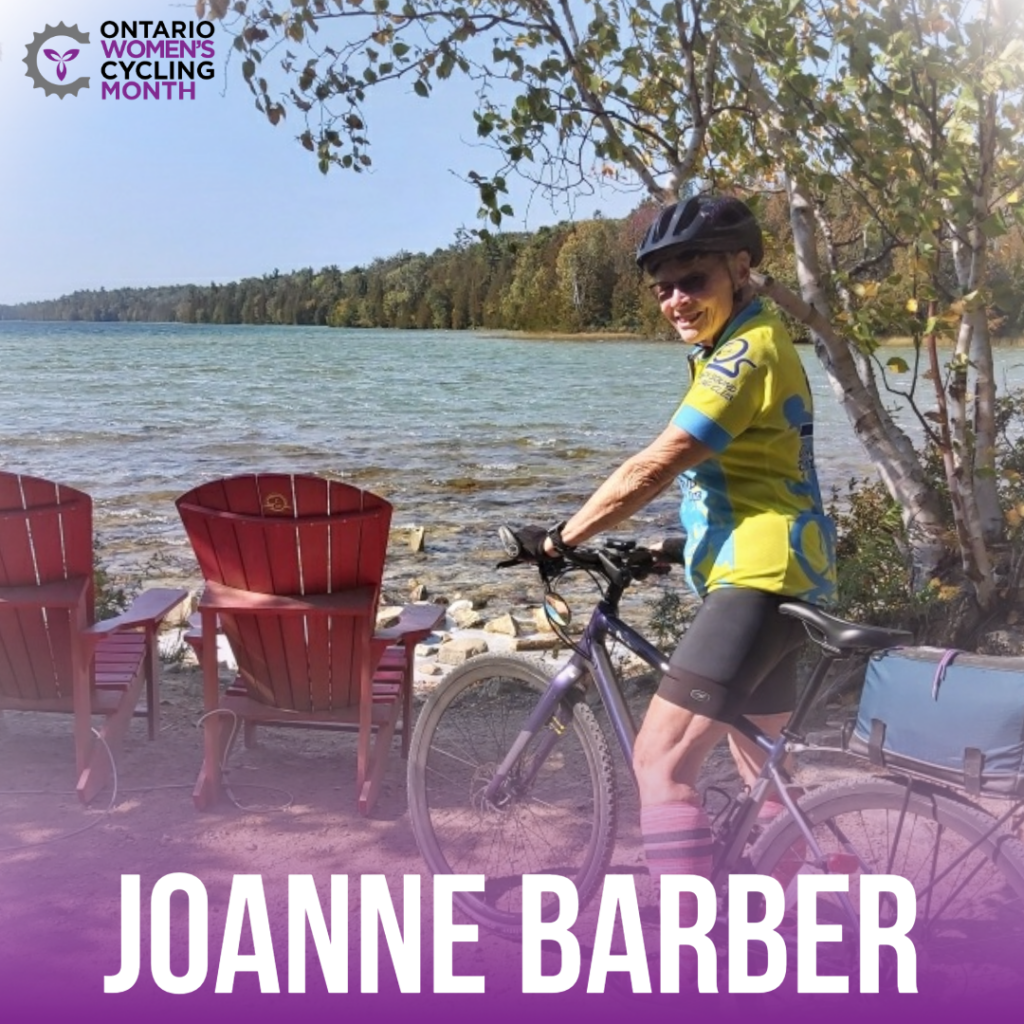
<point x="970" y="251"/>
<point x="901" y="472"/>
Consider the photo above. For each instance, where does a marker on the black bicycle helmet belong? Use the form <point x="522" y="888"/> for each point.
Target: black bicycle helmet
<point x="699" y="225"/>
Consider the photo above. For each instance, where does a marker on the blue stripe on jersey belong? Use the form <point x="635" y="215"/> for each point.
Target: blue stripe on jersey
<point x="702" y="427"/>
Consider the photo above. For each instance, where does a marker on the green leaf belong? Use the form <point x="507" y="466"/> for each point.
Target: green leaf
<point x="993" y="226"/>
<point x="897" y="365"/>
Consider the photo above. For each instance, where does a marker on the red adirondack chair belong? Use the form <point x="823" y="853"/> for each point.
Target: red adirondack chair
<point x="293" y="567"/>
<point x="54" y="656"/>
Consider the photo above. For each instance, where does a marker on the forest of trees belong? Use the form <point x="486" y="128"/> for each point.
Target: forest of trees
<point x="573" y="277"/>
<point x="568" y="278"/>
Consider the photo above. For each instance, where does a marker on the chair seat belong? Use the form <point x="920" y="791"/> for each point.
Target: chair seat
<point x="119" y="658"/>
<point x="120" y="663"/>
<point x="387" y="690"/>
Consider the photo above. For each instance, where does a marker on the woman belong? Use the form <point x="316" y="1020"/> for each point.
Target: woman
<point x="740" y="445"/>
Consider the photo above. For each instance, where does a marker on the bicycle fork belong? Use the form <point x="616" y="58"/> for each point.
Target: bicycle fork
<point x="553" y="714"/>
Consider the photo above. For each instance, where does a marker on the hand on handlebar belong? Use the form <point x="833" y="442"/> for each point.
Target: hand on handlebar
<point x="618" y="561"/>
<point x="531" y="543"/>
<point x="670" y="550"/>
<point x="527" y="545"/>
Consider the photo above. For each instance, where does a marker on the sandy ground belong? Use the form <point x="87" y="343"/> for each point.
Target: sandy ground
<point x="61" y="864"/>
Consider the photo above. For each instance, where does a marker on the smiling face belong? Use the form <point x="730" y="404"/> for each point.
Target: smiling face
<point x="697" y="294"/>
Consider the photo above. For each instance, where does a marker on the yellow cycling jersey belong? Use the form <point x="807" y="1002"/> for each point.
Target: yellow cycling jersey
<point x="753" y="514"/>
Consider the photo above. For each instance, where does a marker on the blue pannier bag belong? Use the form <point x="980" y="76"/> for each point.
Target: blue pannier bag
<point x="949" y="716"/>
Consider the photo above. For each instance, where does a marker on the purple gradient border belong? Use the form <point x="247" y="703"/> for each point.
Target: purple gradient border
<point x="31" y="991"/>
<point x="55" y="966"/>
<point x="44" y="998"/>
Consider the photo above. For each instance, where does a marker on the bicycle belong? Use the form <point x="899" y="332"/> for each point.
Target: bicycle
<point x="510" y="773"/>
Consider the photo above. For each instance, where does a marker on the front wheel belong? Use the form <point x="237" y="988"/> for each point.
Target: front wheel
<point x="553" y="816"/>
<point x="968" y="877"/>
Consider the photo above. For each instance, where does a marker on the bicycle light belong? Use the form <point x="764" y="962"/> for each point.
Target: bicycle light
<point x="843" y="863"/>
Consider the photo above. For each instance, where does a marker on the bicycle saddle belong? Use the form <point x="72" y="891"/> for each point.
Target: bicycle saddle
<point x="846" y="636"/>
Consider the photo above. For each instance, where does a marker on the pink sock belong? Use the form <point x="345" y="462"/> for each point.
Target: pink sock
<point x="677" y="840"/>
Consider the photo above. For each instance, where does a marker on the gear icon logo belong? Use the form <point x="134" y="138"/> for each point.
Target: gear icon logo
<point x="31" y="60"/>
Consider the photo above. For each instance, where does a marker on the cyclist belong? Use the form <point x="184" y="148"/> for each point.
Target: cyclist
<point x="740" y="445"/>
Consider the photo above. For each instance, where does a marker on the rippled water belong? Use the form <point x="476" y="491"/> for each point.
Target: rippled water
<point x="460" y="431"/>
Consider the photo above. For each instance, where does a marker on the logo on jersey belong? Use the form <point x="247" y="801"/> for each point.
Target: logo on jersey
<point x="731" y="358"/>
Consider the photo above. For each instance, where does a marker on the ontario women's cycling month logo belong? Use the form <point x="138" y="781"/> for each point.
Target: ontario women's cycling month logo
<point x="51" y="54"/>
<point x="142" y="60"/>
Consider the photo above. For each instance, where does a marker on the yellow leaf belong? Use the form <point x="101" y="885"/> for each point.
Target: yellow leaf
<point x="865" y="289"/>
<point x="911" y="305"/>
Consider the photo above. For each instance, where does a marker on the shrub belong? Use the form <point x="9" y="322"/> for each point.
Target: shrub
<point x="112" y="595"/>
<point x="873" y="575"/>
<point x="669" y="615"/>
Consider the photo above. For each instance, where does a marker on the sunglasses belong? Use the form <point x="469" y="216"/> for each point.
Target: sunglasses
<point x="690" y="285"/>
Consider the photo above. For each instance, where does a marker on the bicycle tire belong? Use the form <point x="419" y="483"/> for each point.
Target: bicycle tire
<point x="565" y="823"/>
<point x="970" y="913"/>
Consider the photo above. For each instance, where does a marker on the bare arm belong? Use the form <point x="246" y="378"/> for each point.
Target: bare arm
<point x="639" y="480"/>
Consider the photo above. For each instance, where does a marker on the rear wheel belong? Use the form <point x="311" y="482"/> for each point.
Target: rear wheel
<point x="969" y="879"/>
<point x="552" y="816"/>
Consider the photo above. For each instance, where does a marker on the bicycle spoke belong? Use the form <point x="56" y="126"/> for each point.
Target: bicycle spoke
<point x="551" y="815"/>
<point x="969" y="881"/>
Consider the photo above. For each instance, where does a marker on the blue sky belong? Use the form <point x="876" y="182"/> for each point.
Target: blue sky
<point x="113" y="193"/>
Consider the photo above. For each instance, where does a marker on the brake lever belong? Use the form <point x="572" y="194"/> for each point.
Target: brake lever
<point x="643" y="563"/>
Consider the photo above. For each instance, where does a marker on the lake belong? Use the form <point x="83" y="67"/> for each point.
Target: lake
<point x="461" y="431"/>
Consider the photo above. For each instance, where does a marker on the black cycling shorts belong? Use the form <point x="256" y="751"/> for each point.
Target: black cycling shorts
<point x="739" y="640"/>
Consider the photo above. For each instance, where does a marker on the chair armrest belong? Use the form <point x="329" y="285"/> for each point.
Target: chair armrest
<point x="61" y="594"/>
<point x="359" y="601"/>
<point x="415" y="622"/>
<point x="148" y="609"/>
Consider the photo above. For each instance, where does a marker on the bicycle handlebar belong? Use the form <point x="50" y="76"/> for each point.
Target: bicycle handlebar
<point x="619" y="561"/>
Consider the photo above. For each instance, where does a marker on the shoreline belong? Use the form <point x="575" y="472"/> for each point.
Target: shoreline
<point x="566" y="335"/>
<point x="894" y="341"/>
